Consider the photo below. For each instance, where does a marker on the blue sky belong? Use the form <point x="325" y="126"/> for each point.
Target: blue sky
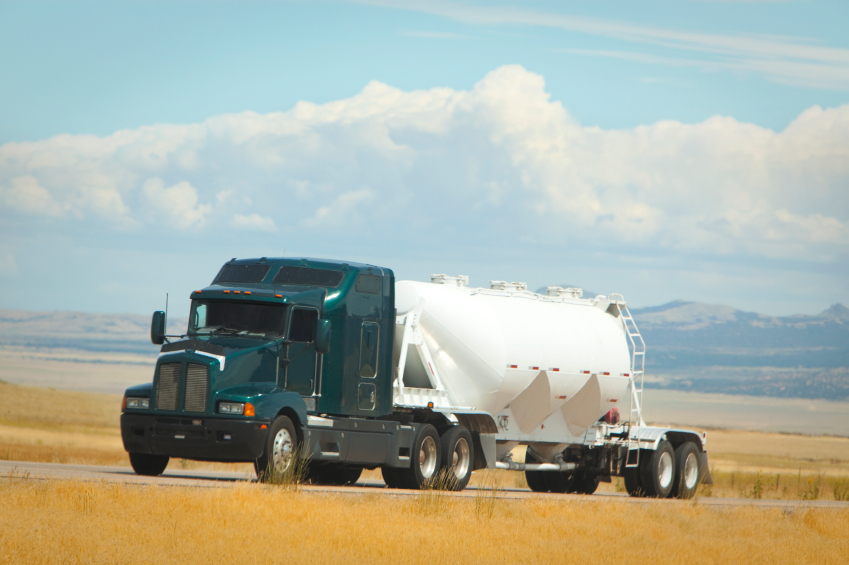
<point x="690" y="149"/>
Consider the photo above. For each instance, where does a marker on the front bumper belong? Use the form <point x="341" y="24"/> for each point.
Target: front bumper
<point x="200" y="438"/>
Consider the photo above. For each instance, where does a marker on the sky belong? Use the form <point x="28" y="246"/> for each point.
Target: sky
<point x="694" y="150"/>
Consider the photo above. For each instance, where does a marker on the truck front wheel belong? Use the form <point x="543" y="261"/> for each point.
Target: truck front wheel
<point x="458" y="457"/>
<point x="280" y="450"/>
<point x="424" y="458"/>
<point x="147" y="464"/>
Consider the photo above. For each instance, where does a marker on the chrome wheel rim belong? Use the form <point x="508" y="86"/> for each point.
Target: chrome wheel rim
<point x="664" y="469"/>
<point x="282" y="451"/>
<point x="460" y="462"/>
<point x="427" y="457"/>
<point x="691" y="471"/>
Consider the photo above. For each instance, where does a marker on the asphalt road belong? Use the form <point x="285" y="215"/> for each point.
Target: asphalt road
<point x="206" y="479"/>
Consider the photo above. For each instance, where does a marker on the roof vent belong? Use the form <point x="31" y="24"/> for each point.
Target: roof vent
<point x="504" y="285"/>
<point x="567" y="292"/>
<point x="459" y="280"/>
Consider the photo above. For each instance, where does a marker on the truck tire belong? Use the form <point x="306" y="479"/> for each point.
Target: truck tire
<point x="658" y="471"/>
<point x="147" y="464"/>
<point x="424" y="459"/>
<point x="392" y="477"/>
<point x="280" y="450"/>
<point x="458" y="457"/>
<point x="686" y="471"/>
<point x="535" y="479"/>
<point x="585" y="482"/>
<point x="334" y="474"/>
<point x="633" y="484"/>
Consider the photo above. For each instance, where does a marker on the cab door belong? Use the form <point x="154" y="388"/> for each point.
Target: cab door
<point x="369" y="349"/>
<point x="300" y="371"/>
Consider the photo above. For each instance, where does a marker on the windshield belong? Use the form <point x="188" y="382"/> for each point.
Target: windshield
<point x="213" y="317"/>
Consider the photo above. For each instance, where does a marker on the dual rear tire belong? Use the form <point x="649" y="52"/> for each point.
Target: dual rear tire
<point x="443" y="462"/>
<point x="665" y="472"/>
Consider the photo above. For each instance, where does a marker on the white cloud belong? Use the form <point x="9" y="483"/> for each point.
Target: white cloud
<point x="339" y="212"/>
<point x="254" y="222"/>
<point x="176" y="206"/>
<point x="25" y="195"/>
<point x="501" y="157"/>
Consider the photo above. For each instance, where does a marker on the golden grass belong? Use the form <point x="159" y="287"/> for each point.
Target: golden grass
<point x="75" y="522"/>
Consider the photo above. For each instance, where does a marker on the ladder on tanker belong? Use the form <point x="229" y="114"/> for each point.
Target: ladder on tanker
<point x="638" y="364"/>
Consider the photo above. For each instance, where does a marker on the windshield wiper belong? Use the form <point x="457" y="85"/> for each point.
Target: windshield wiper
<point x="225" y="329"/>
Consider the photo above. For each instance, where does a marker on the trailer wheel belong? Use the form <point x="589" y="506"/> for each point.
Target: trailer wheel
<point x="424" y="458"/>
<point x="147" y="464"/>
<point x="334" y="474"/>
<point x="559" y="481"/>
<point x="658" y="474"/>
<point x="280" y="450"/>
<point x="535" y="479"/>
<point x="585" y="482"/>
<point x="686" y="470"/>
<point x="458" y="457"/>
<point x="633" y="484"/>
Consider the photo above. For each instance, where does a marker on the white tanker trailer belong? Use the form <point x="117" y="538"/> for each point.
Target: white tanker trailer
<point x="338" y="361"/>
<point x="555" y="372"/>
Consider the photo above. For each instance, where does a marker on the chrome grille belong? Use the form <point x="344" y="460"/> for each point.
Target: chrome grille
<point x="166" y="391"/>
<point x="197" y="385"/>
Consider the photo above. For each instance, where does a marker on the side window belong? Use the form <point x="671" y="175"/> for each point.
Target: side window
<point x="303" y="325"/>
<point x="368" y="349"/>
<point x="368" y="284"/>
<point x="200" y="316"/>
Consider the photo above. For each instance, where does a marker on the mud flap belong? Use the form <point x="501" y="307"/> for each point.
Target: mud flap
<point x="704" y="470"/>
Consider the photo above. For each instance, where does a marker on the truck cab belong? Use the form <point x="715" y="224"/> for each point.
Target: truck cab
<point x="268" y="338"/>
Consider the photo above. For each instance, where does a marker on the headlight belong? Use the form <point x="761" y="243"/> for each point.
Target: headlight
<point x="138" y="403"/>
<point x="231" y="408"/>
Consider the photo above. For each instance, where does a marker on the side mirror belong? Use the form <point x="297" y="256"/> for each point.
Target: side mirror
<point x="322" y="336"/>
<point x="157" y="328"/>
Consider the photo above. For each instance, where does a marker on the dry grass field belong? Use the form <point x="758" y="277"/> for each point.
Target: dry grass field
<point x="75" y="522"/>
<point x="58" y="426"/>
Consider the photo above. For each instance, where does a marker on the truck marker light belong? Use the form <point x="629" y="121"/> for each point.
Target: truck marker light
<point x="563" y="397"/>
<point x="263" y="426"/>
<point x="249" y="409"/>
<point x="197" y="292"/>
<point x="606" y="373"/>
<point x="247" y="292"/>
<point x="278" y="296"/>
<point x="226" y="292"/>
<point x="430" y="404"/>
<point x="535" y="368"/>
<point x="512" y="366"/>
<point x="585" y="372"/>
<point x="614" y="400"/>
<point x="124" y="403"/>
<point x="626" y="374"/>
<point x="555" y="369"/>
<point x="237" y="292"/>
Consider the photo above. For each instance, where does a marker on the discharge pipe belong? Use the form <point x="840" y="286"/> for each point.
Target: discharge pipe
<point x="513" y="466"/>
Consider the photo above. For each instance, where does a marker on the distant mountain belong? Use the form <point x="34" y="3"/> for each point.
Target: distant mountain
<point x="128" y="333"/>
<point x="695" y="334"/>
<point x="691" y="346"/>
